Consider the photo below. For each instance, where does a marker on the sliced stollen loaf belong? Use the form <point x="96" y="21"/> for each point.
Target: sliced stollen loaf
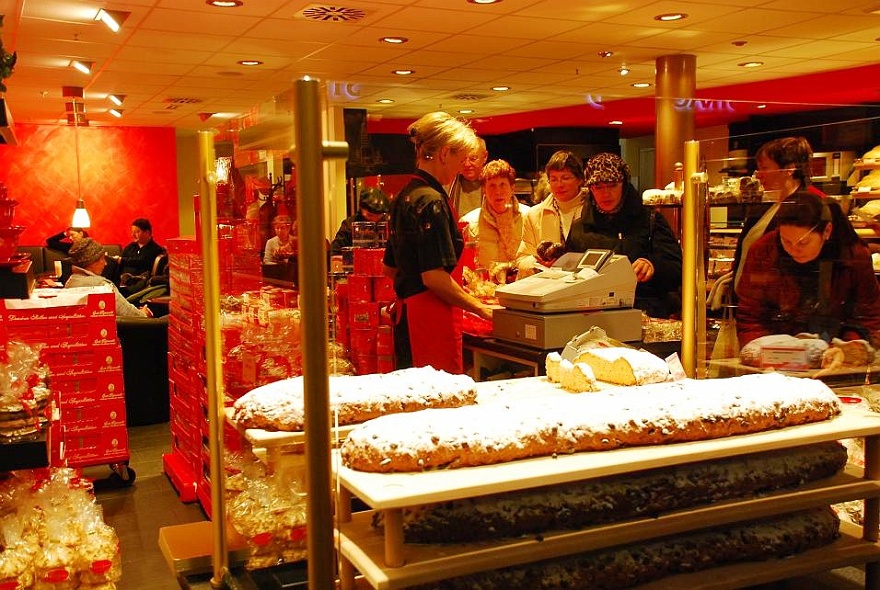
<point x="577" y="377"/>
<point x="624" y="366"/>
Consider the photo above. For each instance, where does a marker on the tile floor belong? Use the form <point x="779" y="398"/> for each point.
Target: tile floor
<point x="138" y="512"/>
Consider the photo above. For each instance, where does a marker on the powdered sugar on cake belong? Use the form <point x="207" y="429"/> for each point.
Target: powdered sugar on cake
<point x="623" y="416"/>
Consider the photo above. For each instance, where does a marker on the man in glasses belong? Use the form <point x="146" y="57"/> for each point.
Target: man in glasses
<point x="466" y="191"/>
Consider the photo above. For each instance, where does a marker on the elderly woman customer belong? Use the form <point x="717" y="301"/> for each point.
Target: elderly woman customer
<point x="811" y="274"/>
<point x="550" y="220"/>
<point x="497" y="224"/>
<point x="89" y="259"/>
<point x="614" y="218"/>
<point x="425" y="245"/>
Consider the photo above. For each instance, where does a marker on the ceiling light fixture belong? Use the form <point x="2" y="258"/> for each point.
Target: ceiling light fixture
<point x="484" y="1"/>
<point x="670" y="16"/>
<point x="116" y="99"/>
<point x="751" y="64"/>
<point x="384" y="101"/>
<point x="112" y="18"/>
<point x="83" y="66"/>
<point x="77" y="108"/>
<point x="615" y="122"/>
<point x="394" y="40"/>
<point x="624" y="70"/>
<point x="403" y="72"/>
<point x="224" y="3"/>
<point x="465" y="111"/>
<point x="641" y="84"/>
<point x="501" y="88"/>
<point x="604" y="54"/>
<point x="116" y="113"/>
<point x="249" y="62"/>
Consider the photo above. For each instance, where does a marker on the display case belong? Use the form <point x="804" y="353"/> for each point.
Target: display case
<point x="388" y="563"/>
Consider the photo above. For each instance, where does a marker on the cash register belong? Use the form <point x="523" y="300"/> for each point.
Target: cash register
<point x="580" y="290"/>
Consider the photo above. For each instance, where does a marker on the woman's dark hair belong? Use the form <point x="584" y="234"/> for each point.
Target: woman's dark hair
<point x="809" y="210"/>
<point x="790" y="151"/>
<point x="563" y="160"/>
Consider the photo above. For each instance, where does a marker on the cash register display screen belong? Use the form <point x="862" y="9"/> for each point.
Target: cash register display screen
<point x="592" y="259"/>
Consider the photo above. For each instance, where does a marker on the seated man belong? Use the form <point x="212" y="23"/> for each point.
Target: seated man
<point x="136" y="262"/>
<point x="88" y="259"/>
<point x="373" y="206"/>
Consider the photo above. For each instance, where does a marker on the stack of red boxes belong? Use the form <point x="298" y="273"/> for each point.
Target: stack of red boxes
<point x="188" y="463"/>
<point x="75" y="330"/>
<point x="360" y="324"/>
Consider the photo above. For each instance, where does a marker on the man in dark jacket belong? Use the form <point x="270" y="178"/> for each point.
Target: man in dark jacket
<point x="136" y="262"/>
<point x="373" y="206"/>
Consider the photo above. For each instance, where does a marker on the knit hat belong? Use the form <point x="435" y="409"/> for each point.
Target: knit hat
<point x="85" y="251"/>
<point x="374" y="201"/>
<point x="607" y="167"/>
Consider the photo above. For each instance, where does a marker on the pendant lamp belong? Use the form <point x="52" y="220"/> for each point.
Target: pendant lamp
<point x="77" y="113"/>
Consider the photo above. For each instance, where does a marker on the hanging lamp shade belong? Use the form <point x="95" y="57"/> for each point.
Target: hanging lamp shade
<point x="81" y="216"/>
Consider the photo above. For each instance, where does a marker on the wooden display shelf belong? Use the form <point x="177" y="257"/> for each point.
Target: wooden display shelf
<point x="388" y="563"/>
<point x="365" y="546"/>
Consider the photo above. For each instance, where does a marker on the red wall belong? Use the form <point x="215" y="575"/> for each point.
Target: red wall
<point x="126" y="172"/>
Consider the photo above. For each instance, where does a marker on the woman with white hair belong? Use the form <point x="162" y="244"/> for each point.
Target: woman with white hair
<point x="424" y="248"/>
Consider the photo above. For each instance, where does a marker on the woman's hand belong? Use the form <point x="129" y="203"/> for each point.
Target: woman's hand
<point x="644" y="269"/>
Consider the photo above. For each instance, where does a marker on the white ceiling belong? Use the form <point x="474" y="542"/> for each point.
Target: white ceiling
<point x="174" y="59"/>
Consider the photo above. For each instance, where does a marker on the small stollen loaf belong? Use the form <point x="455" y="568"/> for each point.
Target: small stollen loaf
<point x="624" y="366"/>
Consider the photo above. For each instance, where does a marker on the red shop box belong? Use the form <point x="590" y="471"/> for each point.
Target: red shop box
<point x="78" y="419"/>
<point x="93" y="448"/>
<point x="91" y="388"/>
<point x="67" y="363"/>
<point x="360" y="289"/>
<point x="368" y="262"/>
<point x="363" y="341"/>
<point x="363" y="315"/>
<point x="383" y="290"/>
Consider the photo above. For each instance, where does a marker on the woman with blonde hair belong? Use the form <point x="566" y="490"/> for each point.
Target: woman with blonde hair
<point x="424" y="247"/>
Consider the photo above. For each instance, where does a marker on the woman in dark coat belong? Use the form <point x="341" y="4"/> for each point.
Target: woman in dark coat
<point x="614" y="218"/>
<point x="811" y="274"/>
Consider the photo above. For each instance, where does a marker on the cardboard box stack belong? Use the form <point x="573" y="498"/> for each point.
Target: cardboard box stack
<point x="360" y="323"/>
<point x="75" y="330"/>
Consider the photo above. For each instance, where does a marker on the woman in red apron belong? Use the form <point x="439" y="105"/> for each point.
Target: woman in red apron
<point x="425" y="245"/>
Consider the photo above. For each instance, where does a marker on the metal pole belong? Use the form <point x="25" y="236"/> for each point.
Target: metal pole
<point x="690" y="239"/>
<point x="307" y="155"/>
<point x="208" y="212"/>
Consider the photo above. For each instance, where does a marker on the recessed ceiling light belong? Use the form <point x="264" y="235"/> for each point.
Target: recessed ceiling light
<point x="224" y="3"/>
<point x="83" y="66"/>
<point x="403" y="72"/>
<point x="116" y="99"/>
<point x="624" y="70"/>
<point x="112" y="18"/>
<point x="116" y="113"/>
<point x="739" y="43"/>
<point x="250" y="62"/>
<point x="384" y="101"/>
<point x="641" y="84"/>
<point x="466" y="111"/>
<point x="751" y="64"/>
<point x="615" y="122"/>
<point x="500" y="88"/>
<point x="484" y="1"/>
<point x="670" y="16"/>
<point x="604" y="54"/>
<point x="394" y="40"/>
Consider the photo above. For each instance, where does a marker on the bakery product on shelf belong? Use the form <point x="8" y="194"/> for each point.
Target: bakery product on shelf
<point x="610" y="499"/>
<point x="752" y="353"/>
<point x="624" y="366"/>
<point x="660" y="413"/>
<point x="630" y="565"/>
<point x="353" y="399"/>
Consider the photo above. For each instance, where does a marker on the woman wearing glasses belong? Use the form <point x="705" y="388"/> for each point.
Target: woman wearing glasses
<point x="811" y="274"/>
<point x="548" y="222"/>
<point x="614" y="218"/>
<point x="783" y="167"/>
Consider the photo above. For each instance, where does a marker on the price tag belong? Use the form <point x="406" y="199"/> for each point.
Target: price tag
<point x="786" y="358"/>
